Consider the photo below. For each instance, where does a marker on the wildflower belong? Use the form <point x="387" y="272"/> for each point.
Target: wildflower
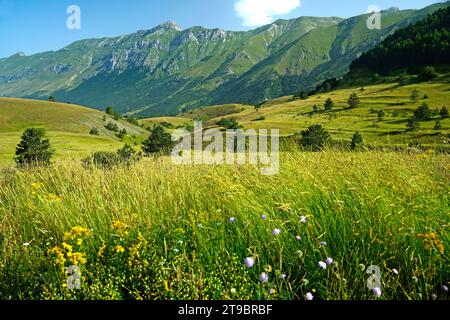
<point x="77" y="258"/>
<point x="303" y="219"/>
<point x="434" y="296"/>
<point x="276" y="232"/>
<point x="445" y="288"/>
<point x="377" y="292"/>
<point x="323" y="265"/>
<point x="268" y="268"/>
<point x="264" y="217"/>
<point x="298" y="238"/>
<point x="200" y="225"/>
<point x="233" y="291"/>
<point x="120" y="228"/>
<point x="249" y="262"/>
<point x="77" y="232"/>
<point x="329" y="261"/>
<point x="395" y="271"/>
<point x="322" y="244"/>
<point x="26" y="244"/>
<point x="232" y="219"/>
<point x="309" y="296"/>
<point x="101" y="251"/>
<point x="283" y="276"/>
<point x="263" y="278"/>
<point x="272" y="291"/>
<point x="59" y="256"/>
<point x="119" y="249"/>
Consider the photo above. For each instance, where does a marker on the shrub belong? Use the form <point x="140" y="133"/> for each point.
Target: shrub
<point x="229" y="124"/>
<point x="33" y="149"/>
<point x="94" y="131"/>
<point x="444" y="112"/>
<point x="315" y="138"/>
<point x="427" y="73"/>
<point x="105" y="160"/>
<point x="438" y="125"/>
<point x="111" y="126"/>
<point x="302" y="95"/>
<point x="122" y="133"/>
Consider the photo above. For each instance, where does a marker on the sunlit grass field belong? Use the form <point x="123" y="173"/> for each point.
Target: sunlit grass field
<point x="159" y="231"/>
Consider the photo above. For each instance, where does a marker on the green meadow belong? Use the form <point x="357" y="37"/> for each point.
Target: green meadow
<point x="158" y="231"/>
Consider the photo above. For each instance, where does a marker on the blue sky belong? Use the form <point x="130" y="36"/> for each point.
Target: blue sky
<point x="34" y="26"/>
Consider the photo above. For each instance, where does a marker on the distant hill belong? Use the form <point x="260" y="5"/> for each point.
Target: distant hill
<point x="167" y="70"/>
<point x="426" y="42"/>
<point x="67" y="126"/>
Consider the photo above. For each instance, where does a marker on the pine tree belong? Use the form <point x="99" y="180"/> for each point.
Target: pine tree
<point x="353" y="101"/>
<point x="357" y="141"/>
<point x="33" y="149"/>
<point x="329" y="104"/>
<point x="315" y="138"/>
<point x="159" y="141"/>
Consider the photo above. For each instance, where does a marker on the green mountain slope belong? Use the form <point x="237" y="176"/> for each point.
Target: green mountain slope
<point x="166" y="70"/>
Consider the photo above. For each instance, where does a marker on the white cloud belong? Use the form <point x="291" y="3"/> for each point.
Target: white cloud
<point x="260" y="12"/>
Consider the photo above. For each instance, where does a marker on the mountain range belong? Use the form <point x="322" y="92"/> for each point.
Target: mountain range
<point x="167" y="70"/>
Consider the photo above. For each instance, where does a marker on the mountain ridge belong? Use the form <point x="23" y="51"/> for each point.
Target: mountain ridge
<point x="166" y="70"/>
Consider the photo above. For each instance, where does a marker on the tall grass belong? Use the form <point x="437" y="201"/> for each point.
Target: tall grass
<point x="173" y="222"/>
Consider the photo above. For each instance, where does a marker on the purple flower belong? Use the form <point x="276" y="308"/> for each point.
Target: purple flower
<point x="309" y="296"/>
<point x="445" y="288"/>
<point x="264" y="217"/>
<point x="232" y="219"/>
<point x="276" y="232"/>
<point x="377" y="292"/>
<point x="323" y="265"/>
<point x="263" y="278"/>
<point x="329" y="261"/>
<point x="249" y="262"/>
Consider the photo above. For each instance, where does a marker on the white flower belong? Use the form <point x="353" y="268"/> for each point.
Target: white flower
<point x="323" y="265"/>
<point x="303" y="219"/>
<point x="232" y="219"/>
<point x="309" y="296"/>
<point x="26" y="244"/>
<point x="283" y="276"/>
<point x="395" y="271"/>
<point x="249" y="262"/>
<point x="298" y="238"/>
<point x="329" y="261"/>
<point x="276" y="232"/>
<point x="233" y="291"/>
<point x="377" y="292"/>
<point x="445" y="288"/>
<point x="263" y="278"/>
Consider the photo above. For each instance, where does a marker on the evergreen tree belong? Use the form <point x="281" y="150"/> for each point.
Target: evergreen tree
<point x="353" y="101"/>
<point x="159" y="141"/>
<point x="438" y="125"/>
<point x="414" y="95"/>
<point x="315" y="138"/>
<point x="329" y="104"/>
<point x="423" y="113"/>
<point x="33" y="149"/>
<point x="357" y="141"/>
<point x="412" y="125"/>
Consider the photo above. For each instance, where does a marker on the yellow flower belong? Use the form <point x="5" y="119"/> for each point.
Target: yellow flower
<point x="59" y="256"/>
<point x="77" y="232"/>
<point x="77" y="258"/>
<point x="119" y="249"/>
<point x="101" y="251"/>
<point x="120" y="228"/>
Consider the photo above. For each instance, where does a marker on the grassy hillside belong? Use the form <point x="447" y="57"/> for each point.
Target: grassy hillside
<point x="67" y="127"/>
<point x="291" y="115"/>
